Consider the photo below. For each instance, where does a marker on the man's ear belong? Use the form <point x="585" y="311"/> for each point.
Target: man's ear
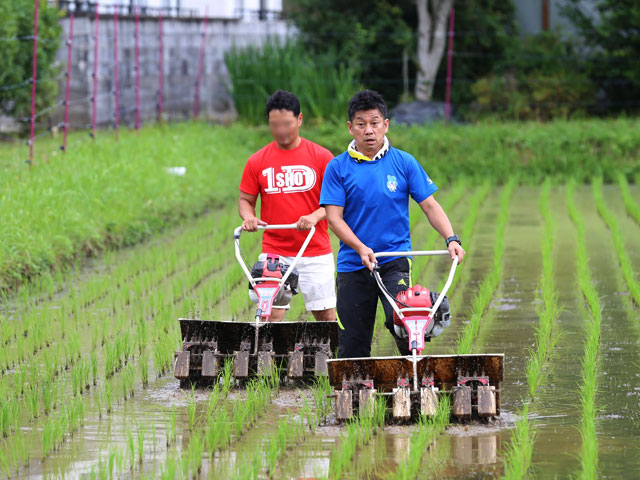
<point x="350" y="128"/>
<point x="300" y="119"/>
<point x="386" y="125"/>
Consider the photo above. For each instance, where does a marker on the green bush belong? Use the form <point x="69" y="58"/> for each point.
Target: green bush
<point x="16" y="56"/>
<point x="370" y="36"/>
<point x="323" y="87"/>
<point x="540" y="79"/>
<point x="610" y="30"/>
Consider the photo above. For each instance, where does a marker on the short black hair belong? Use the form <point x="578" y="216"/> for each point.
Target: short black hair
<point x="283" y="100"/>
<point x="367" y="100"/>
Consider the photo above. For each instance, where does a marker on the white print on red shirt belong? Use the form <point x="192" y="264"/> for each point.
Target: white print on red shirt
<point x="291" y="179"/>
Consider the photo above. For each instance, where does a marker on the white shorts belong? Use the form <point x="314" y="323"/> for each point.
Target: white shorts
<point x="316" y="280"/>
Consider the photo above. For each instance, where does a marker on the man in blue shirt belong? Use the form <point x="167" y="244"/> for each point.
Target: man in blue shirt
<point x="366" y="192"/>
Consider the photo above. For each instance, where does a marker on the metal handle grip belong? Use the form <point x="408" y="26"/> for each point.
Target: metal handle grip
<point x="288" y="226"/>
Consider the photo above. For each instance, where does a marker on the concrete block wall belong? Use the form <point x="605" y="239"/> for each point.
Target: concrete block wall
<point x="181" y="49"/>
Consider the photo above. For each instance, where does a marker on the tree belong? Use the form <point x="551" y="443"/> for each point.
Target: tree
<point x="485" y="32"/>
<point x="16" y="55"/>
<point x="432" y="27"/>
<point x="371" y="36"/>
<point x="610" y="29"/>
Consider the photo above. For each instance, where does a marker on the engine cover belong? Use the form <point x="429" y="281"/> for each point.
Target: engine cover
<point x="421" y="297"/>
<point x="273" y="268"/>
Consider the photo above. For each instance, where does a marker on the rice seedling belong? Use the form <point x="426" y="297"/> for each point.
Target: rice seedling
<point x="194" y="454"/>
<point x="520" y="449"/>
<point x="140" y="442"/>
<point x="144" y="369"/>
<point x="5" y="466"/>
<point x="170" y="429"/>
<point x="321" y="389"/>
<point x="631" y="205"/>
<point x="548" y="310"/>
<point x="358" y="433"/>
<point x="108" y="400"/>
<point x="191" y="408"/>
<point x="218" y="432"/>
<point x="278" y="443"/>
<point x="618" y="241"/>
<point x="131" y="448"/>
<point x="49" y="397"/>
<point x="588" y="389"/>
<point x="428" y="430"/>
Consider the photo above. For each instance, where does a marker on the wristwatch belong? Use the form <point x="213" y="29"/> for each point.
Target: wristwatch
<point x="453" y="238"/>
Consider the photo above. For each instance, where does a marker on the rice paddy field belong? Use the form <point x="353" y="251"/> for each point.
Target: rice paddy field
<point x="103" y="250"/>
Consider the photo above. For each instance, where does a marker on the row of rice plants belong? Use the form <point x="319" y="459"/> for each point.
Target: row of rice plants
<point x="357" y="434"/>
<point x="589" y="386"/>
<point x="222" y="428"/>
<point x="618" y="240"/>
<point x="630" y="204"/>
<point x="517" y="460"/>
<point x="491" y="280"/>
<point x="428" y="430"/>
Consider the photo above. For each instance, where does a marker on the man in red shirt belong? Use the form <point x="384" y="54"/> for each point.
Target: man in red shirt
<point x="287" y="174"/>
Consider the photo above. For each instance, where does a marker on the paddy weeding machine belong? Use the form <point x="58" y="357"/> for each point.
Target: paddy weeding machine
<point x="412" y="384"/>
<point x="301" y="349"/>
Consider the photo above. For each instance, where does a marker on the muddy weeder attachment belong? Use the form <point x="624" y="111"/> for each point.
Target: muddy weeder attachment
<point x="472" y="380"/>
<point x="301" y="349"/>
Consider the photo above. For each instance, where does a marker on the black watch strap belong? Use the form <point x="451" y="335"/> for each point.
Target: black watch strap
<point x="453" y="238"/>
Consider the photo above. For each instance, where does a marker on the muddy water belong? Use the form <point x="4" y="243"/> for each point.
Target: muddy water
<point x="467" y="451"/>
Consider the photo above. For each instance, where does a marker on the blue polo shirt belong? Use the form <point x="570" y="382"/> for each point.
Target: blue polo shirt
<point x="375" y="196"/>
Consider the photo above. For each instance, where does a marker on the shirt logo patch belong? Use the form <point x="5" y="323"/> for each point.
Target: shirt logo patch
<point x="392" y="183"/>
<point x="290" y="179"/>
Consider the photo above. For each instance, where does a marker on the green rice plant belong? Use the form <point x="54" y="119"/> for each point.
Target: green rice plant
<point x="518" y="455"/>
<point x="108" y="400"/>
<point x="218" y="432"/>
<point x="144" y="368"/>
<point x="278" y="443"/>
<point x="250" y="468"/>
<point x="358" y="434"/>
<point x="618" y="241"/>
<point x="131" y="448"/>
<point x="321" y="389"/>
<point x="191" y="408"/>
<point x="215" y="397"/>
<point x="94" y="365"/>
<point x="49" y="397"/>
<point x="428" y="430"/>
<point x="309" y="415"/>
<point x="32" y="400"/>
<point x="140" y="442"/>
<point x="548" y="309"/>
<point x="631" y="205"/>
<point x="5" y="465"/>
<point x="195" y="453"/>
<point x="491" y="281"/>
<point x="588" y="389"/>
<point x="171" y="427"/>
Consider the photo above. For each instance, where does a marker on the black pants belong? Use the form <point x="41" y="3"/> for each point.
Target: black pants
<point x="357" y="301"/>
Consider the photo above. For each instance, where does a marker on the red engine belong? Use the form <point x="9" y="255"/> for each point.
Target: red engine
<point x="415" y="297"/>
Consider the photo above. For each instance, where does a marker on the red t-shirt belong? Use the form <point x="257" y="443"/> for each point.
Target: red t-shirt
<point x="289" y="184"/>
